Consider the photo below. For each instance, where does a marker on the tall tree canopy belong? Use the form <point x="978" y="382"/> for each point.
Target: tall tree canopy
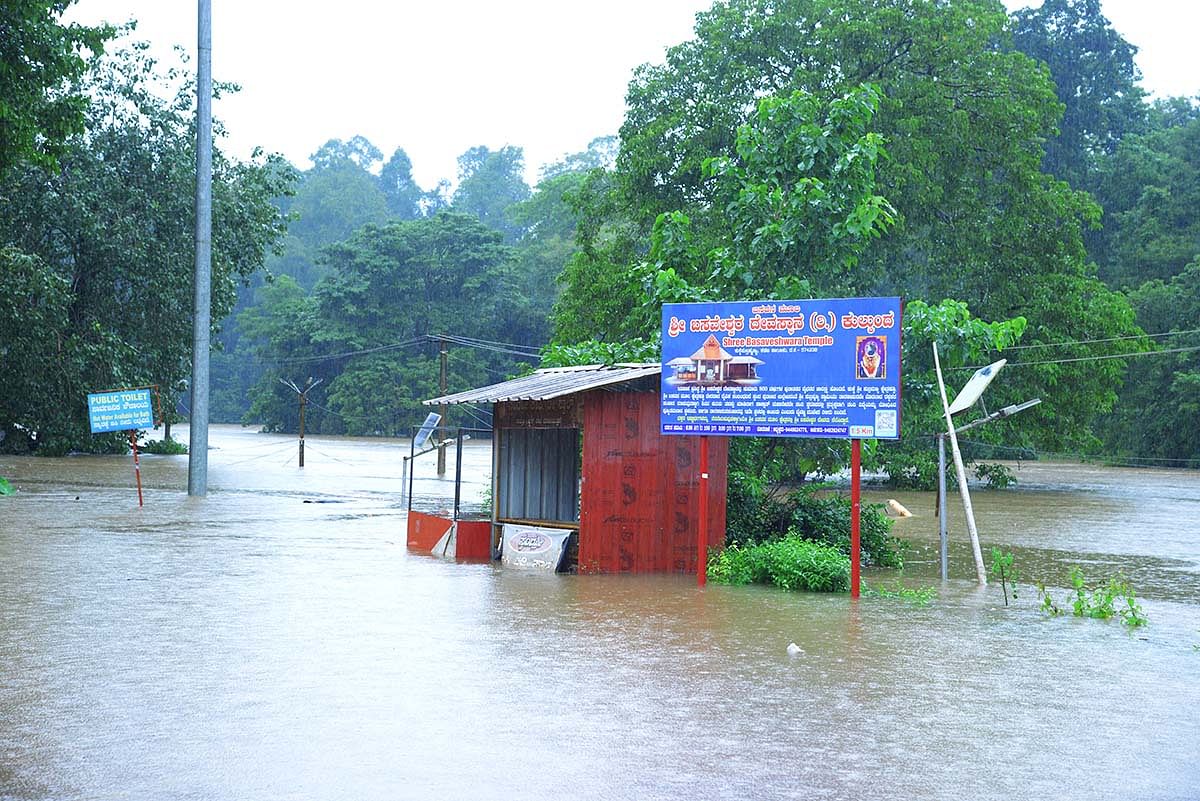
<point x="964" y="119"/>
<point x="1150" y="188"/>
<point x="1095" y="79"/>
<point x="389" y="288"/>
<point x="404" y="197"/>
<point x="41" y="105"/>
<point x="489" y="181"/>
<point x="106" y="247"/>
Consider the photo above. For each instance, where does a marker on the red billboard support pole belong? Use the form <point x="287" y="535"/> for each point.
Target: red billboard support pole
<point x="137" y="469"/>
<point x="702" y="534"/>
<point x="855" y="510"/>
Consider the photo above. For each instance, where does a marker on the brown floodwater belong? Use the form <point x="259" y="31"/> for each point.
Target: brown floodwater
<point x="276" y="640"/>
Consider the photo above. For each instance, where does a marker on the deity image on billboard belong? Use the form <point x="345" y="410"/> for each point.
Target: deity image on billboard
<point x="869" y="361"/>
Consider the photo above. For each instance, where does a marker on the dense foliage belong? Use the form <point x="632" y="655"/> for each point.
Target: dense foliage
<point x="1005" y="174"/>
<point x="790" y="563"/>
<point x="762" y="509"/>
<point x="96" y="287"/>
<point x="41" y="106"/>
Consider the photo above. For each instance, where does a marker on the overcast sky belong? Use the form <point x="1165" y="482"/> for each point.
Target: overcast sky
<point x="439" y="78"/>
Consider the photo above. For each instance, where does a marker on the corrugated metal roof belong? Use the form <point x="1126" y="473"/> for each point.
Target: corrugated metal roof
<point x="553" y="382"/>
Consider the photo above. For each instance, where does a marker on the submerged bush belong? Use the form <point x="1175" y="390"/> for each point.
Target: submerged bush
<point x="165" y="447"/>
<point x="756" y="516"/>
<point x="790" y="562"/>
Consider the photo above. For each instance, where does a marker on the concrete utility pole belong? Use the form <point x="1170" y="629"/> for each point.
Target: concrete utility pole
<point x="202" y="298"/>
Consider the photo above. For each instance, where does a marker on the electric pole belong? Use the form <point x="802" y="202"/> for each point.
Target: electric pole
<point x="303" y="393"/>
<point x="202" y="296"/>
<point x="441" y="462"/>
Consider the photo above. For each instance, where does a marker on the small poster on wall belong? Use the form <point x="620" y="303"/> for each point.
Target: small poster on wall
<point x="534" y="547"/>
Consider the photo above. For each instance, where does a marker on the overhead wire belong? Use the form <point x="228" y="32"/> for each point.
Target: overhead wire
<point x="393" y="346"/>
<point x="1106" y="339"/>
<point x="488" y="346"/>
<point x="1130" y="355"/>
<point x="1131" y="461"/>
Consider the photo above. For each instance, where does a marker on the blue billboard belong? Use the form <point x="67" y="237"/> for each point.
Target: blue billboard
<point x="120" y="410"/>
<point x="782" y="368"/>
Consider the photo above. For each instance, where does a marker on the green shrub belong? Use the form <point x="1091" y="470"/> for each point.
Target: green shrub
<point x="755" y="516"/>
<point x="165" y="447"/>
<point x="790" y="563"/>
<point x="997" y="476"/>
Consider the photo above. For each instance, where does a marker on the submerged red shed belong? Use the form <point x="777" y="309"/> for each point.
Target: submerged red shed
<point x="579" y="448"/>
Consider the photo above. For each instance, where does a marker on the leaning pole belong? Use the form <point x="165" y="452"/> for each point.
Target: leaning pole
<point x="202" y="298"/>
<point x="961" y="474"/>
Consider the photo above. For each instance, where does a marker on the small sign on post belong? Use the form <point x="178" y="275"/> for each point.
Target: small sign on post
<point x="123" y="410"/>
<point x="120" y="410"/>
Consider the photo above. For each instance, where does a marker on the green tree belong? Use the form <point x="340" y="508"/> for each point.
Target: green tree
<point x="964" y="118"/>
<point x="390" y="289"/>
<point x="41" y="106"/>
<point x="549" y="220"/>
<point x="1095" y="79"/>
<point x="1150" y="189"/>
<point x="335" y="198"/>
<point x="489" y="182"/>
<point x="116" y="227"/>
<point x="1160" y="404"/>
<point x="401" y="191"/>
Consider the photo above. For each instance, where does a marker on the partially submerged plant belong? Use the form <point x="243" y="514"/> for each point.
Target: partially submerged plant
<point x="1114" y="598"/>
<point x="918" y="596"/>
<point x="1002" y="566"/>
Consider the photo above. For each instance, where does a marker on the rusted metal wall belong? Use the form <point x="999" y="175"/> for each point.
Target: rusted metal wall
<point x="639" y="503"/>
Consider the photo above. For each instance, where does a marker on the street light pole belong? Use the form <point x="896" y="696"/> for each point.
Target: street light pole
<point x="965" y="399"/>
<point x="961" y="472"/>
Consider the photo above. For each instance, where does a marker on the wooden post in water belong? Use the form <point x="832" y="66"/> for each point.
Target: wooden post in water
<point x="137" y="469"/>
<point x="961" y="472"/>
<point x="441" y="439"/>
<point x="303" y="403"/>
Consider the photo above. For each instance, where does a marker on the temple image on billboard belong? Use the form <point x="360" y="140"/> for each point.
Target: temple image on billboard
<point x="713" y="366"/>
<point x="869" y="357"/>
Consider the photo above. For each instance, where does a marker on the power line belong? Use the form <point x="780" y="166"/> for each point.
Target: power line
<point x="393" y="346"/>
<point x="339" y="414"/>
<point x="479" y="419"/>
<point x="492" y="370"/>
<point x="1107" y="339"/>
<point x="1130" y="355"/>
<point x="493" y="342"/>
<point x="1129" y="461"/>
<point x="481" y="345"/>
